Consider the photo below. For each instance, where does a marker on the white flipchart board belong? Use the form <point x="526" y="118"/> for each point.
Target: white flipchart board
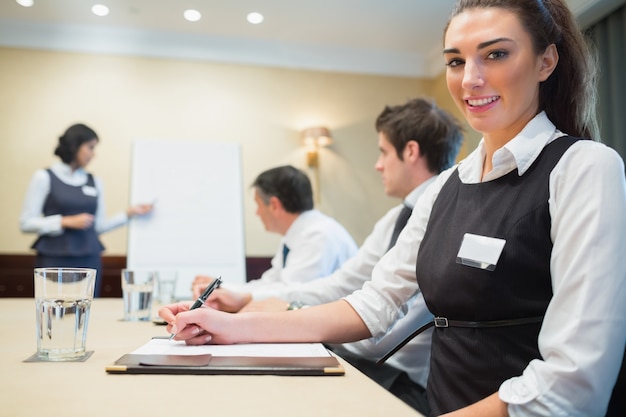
<point x="196" y="226"/>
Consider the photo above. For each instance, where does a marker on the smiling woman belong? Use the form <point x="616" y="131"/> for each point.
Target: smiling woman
<point x="522" y="75"/>
<point x="490" y="69"/>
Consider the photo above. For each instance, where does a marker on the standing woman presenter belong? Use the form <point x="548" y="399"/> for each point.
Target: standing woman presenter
<point x="518" y="250"/>
<point x="64" y="205"/>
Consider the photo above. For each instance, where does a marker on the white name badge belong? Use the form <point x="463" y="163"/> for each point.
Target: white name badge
<point x="480" y="251"/>
<point x="89" y="190"/>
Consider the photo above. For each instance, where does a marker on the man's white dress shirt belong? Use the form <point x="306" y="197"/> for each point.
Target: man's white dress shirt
<point x="318" y="245"/>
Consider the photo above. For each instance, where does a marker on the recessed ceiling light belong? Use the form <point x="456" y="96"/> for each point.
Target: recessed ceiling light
<point x="255" y="18"/>
<point x="100" y="10"/>
<point x="25" y="3"/>
<point x="192" y="15"/>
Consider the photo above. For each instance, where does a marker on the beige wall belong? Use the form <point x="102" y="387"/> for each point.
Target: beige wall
<point x="263" y="109"/>
<point x="439" y="90"/>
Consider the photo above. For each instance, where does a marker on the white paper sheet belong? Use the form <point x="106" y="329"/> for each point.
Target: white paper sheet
<point x="283" y="350"/>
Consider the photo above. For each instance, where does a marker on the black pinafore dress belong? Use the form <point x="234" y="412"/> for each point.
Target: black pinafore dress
<point x="469" y="364"/>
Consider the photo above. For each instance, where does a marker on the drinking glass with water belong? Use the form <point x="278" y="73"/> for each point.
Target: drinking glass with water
<point x="62" y="303"/>
<point x="137" y="291"/>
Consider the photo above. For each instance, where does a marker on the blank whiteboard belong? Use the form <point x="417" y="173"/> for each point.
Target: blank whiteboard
<point x="196" y="226"/>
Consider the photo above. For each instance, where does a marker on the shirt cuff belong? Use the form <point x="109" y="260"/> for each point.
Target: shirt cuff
<point x="517" y="391"/>
<point x="51" y="225"/>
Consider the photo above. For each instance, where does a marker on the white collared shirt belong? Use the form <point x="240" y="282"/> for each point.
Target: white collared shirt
<point x="318" y="245"/>
<point x="414" y="357"/>
<point x="32" y="219"/>
<point x="584" y="330"/>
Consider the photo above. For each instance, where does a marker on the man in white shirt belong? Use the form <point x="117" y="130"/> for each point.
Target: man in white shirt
<point x="313" y="245"/>
<point x="417" y="141"/>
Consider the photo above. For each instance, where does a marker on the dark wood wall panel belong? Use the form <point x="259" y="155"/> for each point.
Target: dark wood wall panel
<point x="16" y="274"/>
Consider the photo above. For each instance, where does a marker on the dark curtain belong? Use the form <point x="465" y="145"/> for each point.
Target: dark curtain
<point x="609" y="38"/>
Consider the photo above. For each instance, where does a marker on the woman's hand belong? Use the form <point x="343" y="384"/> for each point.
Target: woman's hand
<point x="80" y="221"/>
<point x="199" y="284"/>
<point x="169" y="312"/>
<point x="229" y="301"/>
<point x="199" y="326"/>
<point x="139" y="210"/>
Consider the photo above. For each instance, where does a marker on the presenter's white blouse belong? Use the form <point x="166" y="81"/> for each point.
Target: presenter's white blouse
<point x="32" y="219"/>
<point x="584" y="330"/>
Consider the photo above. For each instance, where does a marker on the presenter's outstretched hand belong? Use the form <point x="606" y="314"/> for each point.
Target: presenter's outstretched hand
<point x="139" y="210"/>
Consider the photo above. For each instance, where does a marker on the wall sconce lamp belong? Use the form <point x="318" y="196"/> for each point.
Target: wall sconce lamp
<point x="313" y="139"/>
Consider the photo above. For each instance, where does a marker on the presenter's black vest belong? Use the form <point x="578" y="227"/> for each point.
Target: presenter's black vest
<point x="68" y="200"/>
<point x="468" y="364"/>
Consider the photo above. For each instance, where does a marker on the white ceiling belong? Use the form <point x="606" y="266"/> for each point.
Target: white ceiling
<point x="386" y="37"/>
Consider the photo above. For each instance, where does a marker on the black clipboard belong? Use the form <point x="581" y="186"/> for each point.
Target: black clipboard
<point x="226" y="365"/>
<point x="219" y="365"/>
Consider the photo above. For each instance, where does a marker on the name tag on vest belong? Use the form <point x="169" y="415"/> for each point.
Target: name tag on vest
<point x="480" y="251"/>
<point x="90" y="191"/>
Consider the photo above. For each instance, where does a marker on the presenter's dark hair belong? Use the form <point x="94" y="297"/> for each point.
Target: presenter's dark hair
<point x="290" y="185"/>
<point x="71" y="140"/>
<point x="437" y="132"/>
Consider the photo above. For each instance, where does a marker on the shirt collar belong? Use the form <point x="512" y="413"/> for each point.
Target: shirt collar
<point x="519" y="153"/>
<point x="411" y="199"/>
<point x="528" y="144"/>
<point x="65" y="170"/>
<point x="299" y="223"/>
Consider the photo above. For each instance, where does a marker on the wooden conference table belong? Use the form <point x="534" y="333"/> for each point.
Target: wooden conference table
<point x="85" y="389"/>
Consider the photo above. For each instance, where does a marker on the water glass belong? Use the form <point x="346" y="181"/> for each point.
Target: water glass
<point x="166" y="285"/>
<point x="63" y="299"/>
<point x="137" y="291"/>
